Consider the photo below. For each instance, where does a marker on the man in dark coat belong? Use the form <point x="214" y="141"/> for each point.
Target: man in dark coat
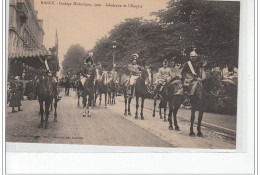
<point x="15" y="99"/>
<point x="191" y="73"/>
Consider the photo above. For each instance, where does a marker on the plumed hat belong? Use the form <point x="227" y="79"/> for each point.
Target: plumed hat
<point x="134" y="56"/>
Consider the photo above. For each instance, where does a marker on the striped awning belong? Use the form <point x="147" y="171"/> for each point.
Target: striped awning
<point x="27" y="54"/>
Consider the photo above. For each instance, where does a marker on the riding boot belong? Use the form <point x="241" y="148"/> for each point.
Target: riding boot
<point x="156" y="91"/>
<point x="160" y="92"/>
<point x="131" y="91"/>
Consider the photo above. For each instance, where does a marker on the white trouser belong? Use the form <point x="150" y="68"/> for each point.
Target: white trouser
<point x="133" y="78"/>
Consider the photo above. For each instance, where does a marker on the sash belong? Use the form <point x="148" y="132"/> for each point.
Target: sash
<point x="191" y="68"/>
<point x="46" y="65"/>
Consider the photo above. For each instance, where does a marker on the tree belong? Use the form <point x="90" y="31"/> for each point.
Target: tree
<point x="210" y="26"/>
<point x="73" y="59"/>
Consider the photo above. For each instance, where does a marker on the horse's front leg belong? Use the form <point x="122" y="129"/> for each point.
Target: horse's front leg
<point x="47" y="111"/>
<point x="90" y="98"/>
<point x="170" y="114"/>
<point x="55" y="108"/>
<point x="78" y="98"/>
<point x="137" y="106"/>
<point x="164" y="113"/>
<point x="114" y="97"/>
<point x="160" y="110"/>
<point x="51" y="107"/>
<point x="142" y="108"/>
<point x="41" y="112"/>
<point x="125" y="97"/>
<point x="175" y="111"/>
<point x="100" y="98"/>
<point x="199" y="124"/>
<point x="84" y="102"/>
<point x="106" y="99"/>
<point x="154" y="105"/>
<point x="129" y="106"/>
<point x="192" y="121"/>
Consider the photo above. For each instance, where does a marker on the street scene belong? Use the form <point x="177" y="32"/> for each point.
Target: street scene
<point x="109" y="126"/>
<point x="160" y="74"/>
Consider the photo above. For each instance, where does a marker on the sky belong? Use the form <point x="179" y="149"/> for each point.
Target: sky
<point x="85" y="25"/>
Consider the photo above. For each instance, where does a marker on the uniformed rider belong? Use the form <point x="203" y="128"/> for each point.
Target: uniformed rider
<point x="191" y="73"/>
<point x="135" y="71"/>
<point x="164" y="76"/>
<point x="114" y="74"/>
<point x="88" y="66"/>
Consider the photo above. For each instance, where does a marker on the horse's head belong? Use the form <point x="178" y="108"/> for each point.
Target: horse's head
<point x="104" y="78"/>
<point x="213" y="83"/>
<point x="45" y="85"/>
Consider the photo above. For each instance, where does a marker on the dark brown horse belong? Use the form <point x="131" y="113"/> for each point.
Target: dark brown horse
<point x="205" y="89"/>
<point x="67" y="85"/>
<point x="88" y="91"/>
<point x="46" y="90"/>
<point x="175" y="99"/>
<point x="162" y="104"/>
<point x="140" y="92"/>
<point x="113" y="88"/>
<point x="101" y="87"/>
<point x="79" y="89"/>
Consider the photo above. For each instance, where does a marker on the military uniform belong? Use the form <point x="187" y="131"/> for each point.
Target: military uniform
<point x="134" y="73"/>
<point x="164" y="75"/>
<point x="88" y="71"/>
<point x="190" y="73"/>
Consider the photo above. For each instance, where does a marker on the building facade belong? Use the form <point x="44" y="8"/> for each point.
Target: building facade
<point x="25" y="29"/>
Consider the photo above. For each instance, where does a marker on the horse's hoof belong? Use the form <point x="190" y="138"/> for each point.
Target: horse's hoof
<point x="165" y="120"/>
<point x="153" y="115"/>
<point x="160" y="117"/>
<point x="84" y="115"/>
<point x="177" y="128"/>
<point x="129" y="113"/>
<point x="89" y="115"/>
<point x="136" y="117"/>
<point x="142" y="118"/>
<point x="192" y="134"/>
<point x="170" y="128"/>
<point x="40" y="125"/>
<point x="125" y="114"/>
<point x="199" y="134"/>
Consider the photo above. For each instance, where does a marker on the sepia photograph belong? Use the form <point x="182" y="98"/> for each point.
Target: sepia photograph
<point x="123" y="73"/>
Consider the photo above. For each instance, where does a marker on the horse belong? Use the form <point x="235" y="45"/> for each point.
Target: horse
<point x="67" y="85"/>
<point x="79" y="89"/>
<point x="162" y="104"/>
<point x="101" y="87"/>
<point x="206" y="88"/>
<point x="164" y="99"/>
<point x="88" y="91"/>
<point x="140" y="92"/>
<point x="113" y="88"/>
<point x="175" y="100"/>
<point x="46" y="90"/>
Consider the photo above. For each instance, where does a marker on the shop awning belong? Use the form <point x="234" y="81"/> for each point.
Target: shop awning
<point x="28" y="54"/>
<point x="31" y="58"/>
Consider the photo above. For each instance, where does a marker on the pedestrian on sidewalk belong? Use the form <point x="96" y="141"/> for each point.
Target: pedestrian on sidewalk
<point x="15" y="98"/>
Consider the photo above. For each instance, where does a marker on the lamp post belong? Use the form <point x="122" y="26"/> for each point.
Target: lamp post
<point x="114" y="47"/>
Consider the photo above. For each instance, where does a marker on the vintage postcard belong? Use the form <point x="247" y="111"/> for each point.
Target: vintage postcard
<point x="157" y="73"/>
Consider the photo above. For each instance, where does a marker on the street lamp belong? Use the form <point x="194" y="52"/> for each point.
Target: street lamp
<point x="114" y="47"/>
